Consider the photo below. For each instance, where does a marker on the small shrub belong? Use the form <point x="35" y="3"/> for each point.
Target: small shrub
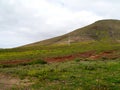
<point x="6" y="66"/>
<point x="90" y="67"/>
<point x="32" y="73"/>
<point x="73" y="77"/>
<point x="1" y="66"/>
<point x="104" y="58"/>
<point x="87" y="59"/>
<point x="78" y="59"/>
<point x="63" y="70"/>
<point x="114" y="58"/>
<point x="38" y="62"/>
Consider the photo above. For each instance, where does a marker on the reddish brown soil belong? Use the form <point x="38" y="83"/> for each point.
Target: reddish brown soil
<point x="14" y="62"/>
<point x="70" y="57"/>
<point x="105" y="55"/>
<point x="91" y="55"/>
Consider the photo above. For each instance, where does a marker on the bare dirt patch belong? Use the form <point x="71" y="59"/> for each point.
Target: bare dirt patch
<point x="13" y="62"/>
<point x="105" y="55"/>
<point x="70" y="57"/>
<point x="8" y="82"/>
<point x="91" y="55"/>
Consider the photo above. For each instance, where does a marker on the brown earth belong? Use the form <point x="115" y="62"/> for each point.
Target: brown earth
<point x="105" y="55"/>
<point x="7" y="82"/>
<point x="90" y="55"/>
<point x="14" y="62"/>
<point x="70" y="57"/>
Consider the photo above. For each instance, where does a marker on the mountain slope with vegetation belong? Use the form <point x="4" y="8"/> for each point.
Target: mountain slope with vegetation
<point x="85" y="59"/>
<point x="103" y="30"/>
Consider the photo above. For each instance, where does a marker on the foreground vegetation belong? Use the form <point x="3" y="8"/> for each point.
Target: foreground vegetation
<point x="79" y="74"/>
<point x="72" y="75"/>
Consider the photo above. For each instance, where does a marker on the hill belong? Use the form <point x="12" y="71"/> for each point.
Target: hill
<point x="91" y="62"/>
<point x="103" y="30"/>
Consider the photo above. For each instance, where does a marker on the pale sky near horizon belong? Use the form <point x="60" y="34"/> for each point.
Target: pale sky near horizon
<point x="27" y="21"/>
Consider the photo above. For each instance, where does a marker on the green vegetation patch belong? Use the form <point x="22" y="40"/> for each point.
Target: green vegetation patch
<point x="72" y="75"/>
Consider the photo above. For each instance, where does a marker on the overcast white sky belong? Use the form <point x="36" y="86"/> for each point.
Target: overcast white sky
<point x="26" y="21"/>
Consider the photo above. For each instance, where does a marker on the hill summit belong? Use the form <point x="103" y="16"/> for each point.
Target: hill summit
<point x="102" y="30"/>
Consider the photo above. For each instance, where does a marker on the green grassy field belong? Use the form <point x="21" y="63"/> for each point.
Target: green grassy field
<point x="72" y="75"/>
<point x="79" y="74"/>
<point x="41" y="52"/>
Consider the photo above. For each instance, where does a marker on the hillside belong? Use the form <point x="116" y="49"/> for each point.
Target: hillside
<point x="89" y="63"/>
<point x="103" y="30"/>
